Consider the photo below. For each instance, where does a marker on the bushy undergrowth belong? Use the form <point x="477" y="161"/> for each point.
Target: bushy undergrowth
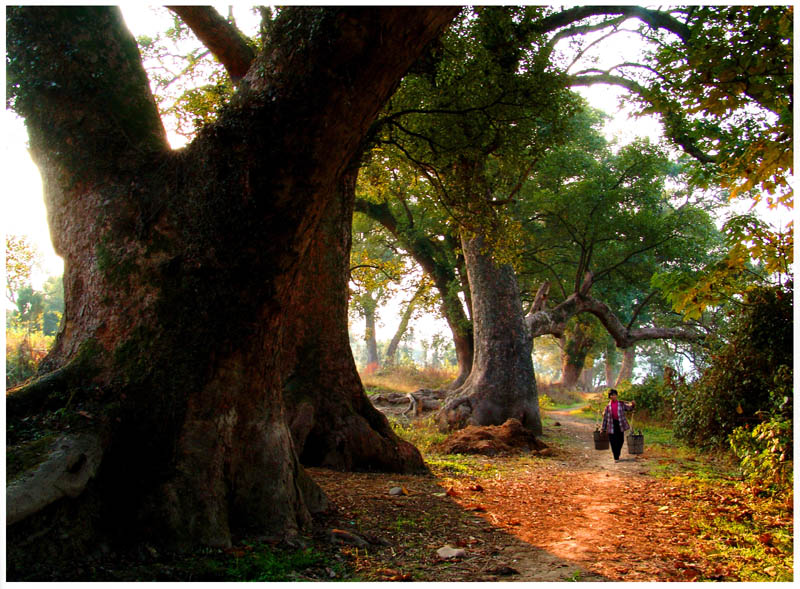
<point x="421" y="433"/>
<point x="555" y="396"/>
<point x="654" y="399"/>
<point x="24" y="351"/>
<point x="750" y="377"/>
<point x="765" y="454"/>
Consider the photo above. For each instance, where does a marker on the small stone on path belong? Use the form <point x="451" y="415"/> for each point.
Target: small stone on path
<point x="448" y="552"/>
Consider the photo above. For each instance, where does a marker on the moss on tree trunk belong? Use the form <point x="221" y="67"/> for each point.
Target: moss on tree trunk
<point x="179" y="266"/>
<point x="333" y="423"/>
<point x="501" y="384"/>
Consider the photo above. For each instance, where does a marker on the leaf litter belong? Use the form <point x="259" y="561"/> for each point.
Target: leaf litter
<point x="573" y="515"/>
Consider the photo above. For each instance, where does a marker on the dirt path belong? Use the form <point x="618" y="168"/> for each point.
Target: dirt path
<point x="576" y="515"/>
<point x="606" y="519"/>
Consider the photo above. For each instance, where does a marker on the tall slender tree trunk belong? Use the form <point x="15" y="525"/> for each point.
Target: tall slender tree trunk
<point x="501" y="384"/>
<point x="370" y="336"/>
<point x="578" y="343"/>
<point x="391" y="350"/>
<point x="626" y="370"/>
<point x="610" y="361"/>
<point x="332" y="421"/>
<point x="179" y="268"/>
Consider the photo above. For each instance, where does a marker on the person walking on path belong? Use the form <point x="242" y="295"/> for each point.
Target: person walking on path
<point x="615" y="423"/>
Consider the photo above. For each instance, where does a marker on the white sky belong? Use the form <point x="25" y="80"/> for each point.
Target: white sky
<point x="23" y="210"/>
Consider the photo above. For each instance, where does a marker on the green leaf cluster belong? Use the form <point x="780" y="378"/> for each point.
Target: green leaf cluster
<point x="730" y="88"/>
<point x="474" y="116"/>
<point x="750" y="373"/>
<point x="623" y="213"/>
<point x="765" y="453"/>
<point x="755" y="254"/>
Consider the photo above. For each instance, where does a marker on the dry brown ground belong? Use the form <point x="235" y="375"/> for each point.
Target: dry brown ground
<point x="576" y="515"/>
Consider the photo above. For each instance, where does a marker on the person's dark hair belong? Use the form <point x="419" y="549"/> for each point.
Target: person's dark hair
<point x="612" y="392"/>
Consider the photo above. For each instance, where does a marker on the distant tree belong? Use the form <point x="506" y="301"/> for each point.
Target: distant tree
<point x="21" y="257"/>
<point x="376" y="271"/>
<point x="625" y="215"/>
<point x="419" y="301"/>
<point x="53" y="304"/>
<point x="392" y="193"/>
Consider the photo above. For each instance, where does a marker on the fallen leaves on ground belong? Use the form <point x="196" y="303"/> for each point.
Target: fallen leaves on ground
<point x="573" y="516"/>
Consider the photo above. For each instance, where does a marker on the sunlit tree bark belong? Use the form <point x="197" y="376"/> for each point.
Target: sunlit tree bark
<point x="179" y="267"/>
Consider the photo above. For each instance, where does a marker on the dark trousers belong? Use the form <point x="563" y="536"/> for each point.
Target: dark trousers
<point x="615" y="440"/>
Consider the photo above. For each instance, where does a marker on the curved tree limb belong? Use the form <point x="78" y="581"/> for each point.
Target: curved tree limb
<point x="223" y="39"/>
<point x="553" y="321"/>
<point x="673" y="127"/>
<point x="625" y="337"/>
<point x="655" y="18"/>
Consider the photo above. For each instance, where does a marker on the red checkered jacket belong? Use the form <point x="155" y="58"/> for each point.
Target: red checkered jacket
<point x="608" y="421"/>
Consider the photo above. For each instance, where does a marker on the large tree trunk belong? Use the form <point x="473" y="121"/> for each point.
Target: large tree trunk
<point x="578" y="343"/>
<point x="179" y="268"/>
<point x="626" y="370"/>
<point x="332" y="421"/>
<point x="501" y="384"/>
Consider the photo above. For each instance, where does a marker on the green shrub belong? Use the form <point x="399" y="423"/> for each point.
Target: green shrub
<point x="654" y="399"/>
<point x="749" y="376"/>
<point x="765" y="453"/>
<point x="546" y="402"/>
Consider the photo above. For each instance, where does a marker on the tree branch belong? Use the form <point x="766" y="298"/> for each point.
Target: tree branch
<point x="540" y="300"/>
<point x="639" y="308"/>
<point x="553" y="322"/>
<point x="673" y="130"/>
<point x="223" y="39"/>
<point x="655" y="18"/>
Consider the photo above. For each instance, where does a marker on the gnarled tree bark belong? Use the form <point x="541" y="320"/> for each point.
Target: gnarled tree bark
<point x="501" y="384"/>
<point x="332" y="421"/>
<point x="179" y="266"/>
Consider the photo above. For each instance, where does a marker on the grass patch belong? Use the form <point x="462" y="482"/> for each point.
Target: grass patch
<point x="461" y="465"/>
<point x="249" y="561"/>
<point x="262" y="564"/>
<point x="742" y="535"/>
<point x="421" y="433"/>
<point x="406" y="379"/>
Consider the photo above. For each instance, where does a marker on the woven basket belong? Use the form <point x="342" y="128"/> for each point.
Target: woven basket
<point x="636" y="443"/>
<point x="600" y="440"/>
